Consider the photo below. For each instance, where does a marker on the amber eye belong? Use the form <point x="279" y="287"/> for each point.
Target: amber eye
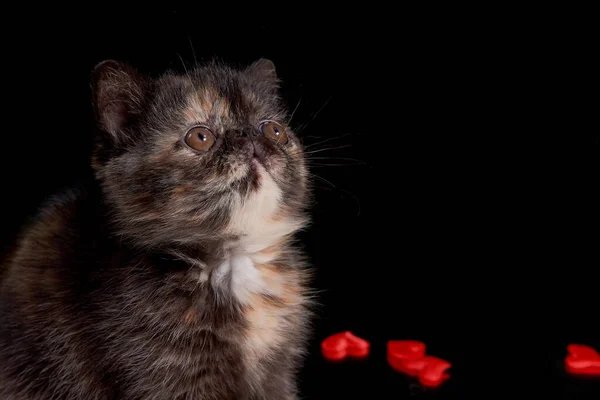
<point x="200" y="138"/>
<point x="274" y="131"/>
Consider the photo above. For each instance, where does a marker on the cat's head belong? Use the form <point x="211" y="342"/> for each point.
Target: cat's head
<point x="203" y="155"/>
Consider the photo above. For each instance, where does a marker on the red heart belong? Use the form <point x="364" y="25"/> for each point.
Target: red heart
<point x="582" y="360"/>
<point x="406" y="349"/>
<point x="341" y="345"/>
<point x="411" y="367"/>
<point x="430" y="370"/>
<point x="434" y="372"/>
<point x="357" y="347"/>
<point x="408" y="357"/>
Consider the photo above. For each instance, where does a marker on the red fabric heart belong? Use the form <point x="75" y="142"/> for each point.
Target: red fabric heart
<point x="344" y="344"/>
<point x="434" y="372"/>
<point x="408" y="357"/>
<point x="357" y="347"/>
<point x="430" y="370"/>
<point x="582" y="360"/>
<point x="411" y="367"/>
<point x="406" y="349"/>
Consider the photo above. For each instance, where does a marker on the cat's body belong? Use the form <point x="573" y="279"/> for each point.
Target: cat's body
<point x="175" y="278"/>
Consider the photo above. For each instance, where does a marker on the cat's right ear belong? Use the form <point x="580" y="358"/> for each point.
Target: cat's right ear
<point x="118" y="96"/>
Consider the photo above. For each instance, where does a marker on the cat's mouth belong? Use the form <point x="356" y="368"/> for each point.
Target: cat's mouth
<point x="259" y="163"/>
<point x="257" y="169"/>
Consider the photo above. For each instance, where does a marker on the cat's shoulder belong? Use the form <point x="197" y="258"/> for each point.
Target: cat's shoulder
<point x="48" y="234"/>
<point x="58" y="221"/>
<point x="63" y="207"/>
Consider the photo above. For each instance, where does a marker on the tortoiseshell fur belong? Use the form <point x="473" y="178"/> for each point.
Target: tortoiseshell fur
<point x="176" y="276"/>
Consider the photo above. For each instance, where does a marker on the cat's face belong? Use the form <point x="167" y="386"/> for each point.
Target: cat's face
<point x="200" y="156"/>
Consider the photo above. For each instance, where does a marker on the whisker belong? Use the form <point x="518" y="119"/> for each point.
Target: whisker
<point x="334" y="165"/>
<point x="192" y="47"/>
<point x="183" y="64"/>
<point x="340" y="189"/>
<point x="313" y="137"/>
<point x="188" y="75"/>
<point x="326" y="140"/>
<point x="322" y="179"/>
<point x="293" y="112"/>
<point x="314" y="116"/>
<point x="321" y="109"/>
<point x="328" y="148"/>
<point x="336" y="158"/>
<point x="300" y="128"/>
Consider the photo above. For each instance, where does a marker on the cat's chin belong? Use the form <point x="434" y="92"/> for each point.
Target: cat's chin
<point x="254" y="213"/>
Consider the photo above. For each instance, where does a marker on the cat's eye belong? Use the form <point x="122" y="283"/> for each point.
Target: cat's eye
<point x="200" y="138"/>
<point x="274" y="131"/>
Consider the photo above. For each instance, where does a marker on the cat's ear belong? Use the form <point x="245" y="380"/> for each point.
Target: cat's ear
<point x="264" y="71"/>
<point x="118" y="95"/>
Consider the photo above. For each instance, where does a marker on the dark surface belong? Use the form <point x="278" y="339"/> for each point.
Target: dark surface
<point x="447" y="225"/>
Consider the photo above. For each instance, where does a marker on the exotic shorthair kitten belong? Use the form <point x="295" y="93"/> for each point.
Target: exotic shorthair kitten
<point x="176" y="277"/>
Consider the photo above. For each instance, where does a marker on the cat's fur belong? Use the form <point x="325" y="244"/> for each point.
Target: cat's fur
<point x="176" y="277"/>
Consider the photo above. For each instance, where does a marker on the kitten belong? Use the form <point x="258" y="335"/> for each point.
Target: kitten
<point x="177" y="276"/>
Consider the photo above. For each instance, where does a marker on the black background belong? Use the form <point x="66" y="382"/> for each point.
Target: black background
<point x="447" y="211"/>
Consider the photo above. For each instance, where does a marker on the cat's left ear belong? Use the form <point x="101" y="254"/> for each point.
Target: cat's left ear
<point x="263" y="71"/>
<point x="118" y="96"/>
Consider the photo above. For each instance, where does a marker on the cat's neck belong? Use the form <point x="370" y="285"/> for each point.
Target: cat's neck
<point x="260" y="247"/>
<point x="234" y="267"/>
<point x="274" y="233"/>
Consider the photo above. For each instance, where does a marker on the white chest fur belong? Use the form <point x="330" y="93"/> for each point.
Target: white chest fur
<point x="238" y="275"/>
<point x="255" y="223"/>
<point x="255" y="220"/>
